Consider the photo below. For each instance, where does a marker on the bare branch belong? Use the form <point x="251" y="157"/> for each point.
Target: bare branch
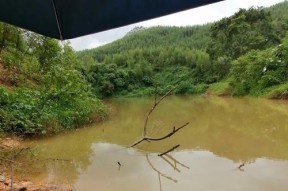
<point x="172" y="149"/>
<point x="152" y="109"/>
<point x="144" y="139"/>
<point x="169" y="134"/>
<point x="161" y="138"/>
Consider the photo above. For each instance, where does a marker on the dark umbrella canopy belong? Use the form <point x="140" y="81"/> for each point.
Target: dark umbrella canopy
<point x="66" y="19"/>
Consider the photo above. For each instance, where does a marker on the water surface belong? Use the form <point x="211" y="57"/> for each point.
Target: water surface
<point x="223" y="133"/>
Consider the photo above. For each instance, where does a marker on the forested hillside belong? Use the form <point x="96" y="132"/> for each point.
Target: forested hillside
<point x="189" y="37"/>
<point x="240" y="55"/>
<point x="40" y="90"/>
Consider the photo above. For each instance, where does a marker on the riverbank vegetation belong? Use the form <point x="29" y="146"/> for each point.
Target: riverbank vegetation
<point x="245" y="54"/>
<point x="41" y="91"/>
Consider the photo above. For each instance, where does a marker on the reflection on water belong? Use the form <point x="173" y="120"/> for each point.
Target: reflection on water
<point x="205" y="171"/>
<point x="223" y="133"/>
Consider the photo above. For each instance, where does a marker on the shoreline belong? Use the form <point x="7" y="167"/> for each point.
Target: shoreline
<point x="9" y="145"/>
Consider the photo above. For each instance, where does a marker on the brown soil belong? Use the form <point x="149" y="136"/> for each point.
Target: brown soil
<point x="5" y="76"/>
<point x="30" y="186"/>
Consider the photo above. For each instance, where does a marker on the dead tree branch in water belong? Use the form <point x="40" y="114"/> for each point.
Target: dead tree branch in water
<point x="156" y="103"/>
<point x="172" y="149"/>
<point x="149" y="139"/>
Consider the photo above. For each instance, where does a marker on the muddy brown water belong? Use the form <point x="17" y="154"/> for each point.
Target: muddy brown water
<point x="223" y="133"/>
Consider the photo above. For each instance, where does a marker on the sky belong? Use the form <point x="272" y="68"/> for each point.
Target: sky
<point x="196" y="16"/>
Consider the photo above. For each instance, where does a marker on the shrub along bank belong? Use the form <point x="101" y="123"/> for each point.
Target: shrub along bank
<point x="41" y="90"/>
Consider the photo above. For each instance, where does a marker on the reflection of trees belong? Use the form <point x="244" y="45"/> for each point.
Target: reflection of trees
<point x="173" y="164"/>
<point x="239" y="129"/>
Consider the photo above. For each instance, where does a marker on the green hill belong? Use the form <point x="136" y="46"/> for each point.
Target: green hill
<point x="189" y="37"/>
<point x="191" y="59"/>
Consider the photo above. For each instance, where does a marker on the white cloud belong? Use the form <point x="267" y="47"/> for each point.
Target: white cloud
<point x="201" y="15"/>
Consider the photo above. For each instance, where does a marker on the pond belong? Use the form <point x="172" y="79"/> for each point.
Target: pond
<point x="222" y="134"/>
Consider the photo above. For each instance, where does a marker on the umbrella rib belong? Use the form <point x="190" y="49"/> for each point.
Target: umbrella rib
<point x="57" y="20"/>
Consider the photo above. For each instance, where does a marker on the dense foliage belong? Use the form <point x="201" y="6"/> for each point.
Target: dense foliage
<point x="244" y="31"/>
<point x="227" y="57"/>
<point x="40" y="89"/>
<point x="257" y="71"/>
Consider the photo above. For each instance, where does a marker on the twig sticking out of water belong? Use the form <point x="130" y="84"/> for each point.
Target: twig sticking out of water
<point x="240" y="167"/>
<point x="148" y="139"/>
<point x="172" y="149"/>
<point x="156" y="103"/>
<point x="119" y="165"/>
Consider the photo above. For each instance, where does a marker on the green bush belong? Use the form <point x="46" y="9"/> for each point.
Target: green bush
<point x="30" y="111"/>
<point x="50" y="94"/>
<point x="183" y="87"/>
<point x="11" y="57"/>
<point x="220" y="88"/>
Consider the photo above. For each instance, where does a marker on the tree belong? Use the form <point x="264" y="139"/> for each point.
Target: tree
<point x="244" y="31"/>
